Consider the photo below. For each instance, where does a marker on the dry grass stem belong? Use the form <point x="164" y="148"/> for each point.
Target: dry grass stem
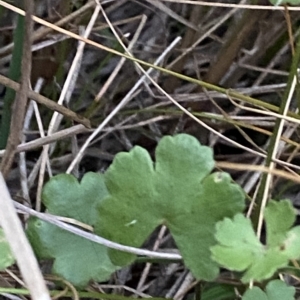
<point x="20" y="246"/>
<point x="92" y="237"/>
<point x="124" y="101"/>
<point x="47" y="102"/>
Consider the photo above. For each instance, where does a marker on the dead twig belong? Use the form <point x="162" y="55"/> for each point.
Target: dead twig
<point x="47" y="102"/>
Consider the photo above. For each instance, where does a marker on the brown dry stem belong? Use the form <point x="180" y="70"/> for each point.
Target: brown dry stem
<point x="47" y="102"/>
<point x="20" y="102"/>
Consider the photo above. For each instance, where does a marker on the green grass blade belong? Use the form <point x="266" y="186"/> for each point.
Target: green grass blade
<point x="14" y="74"/>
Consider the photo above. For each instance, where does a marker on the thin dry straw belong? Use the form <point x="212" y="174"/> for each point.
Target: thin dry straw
<point x="94" y="238"/>
<point x="119" y="106"/>
<point x="20" y="246"/>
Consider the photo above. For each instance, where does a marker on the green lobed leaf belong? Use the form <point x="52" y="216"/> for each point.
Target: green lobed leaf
<point x="255" y="294"/>
<point x="75" y="258"/>
<point x="239" y="249"/>
<point x="291" y="245"/>
<point x="278" y="290"/>
<point x="275" y="290"/>
<point x="176" y="190"/>
<point x="218" y="292"/>
<point x="6" y="257"/>
<point x="265" y="265"/>
<point x="276" y="225"/>
<point x="63" y="195"/>
<point x="194" y="231"/>
<point x="238" y="245"/>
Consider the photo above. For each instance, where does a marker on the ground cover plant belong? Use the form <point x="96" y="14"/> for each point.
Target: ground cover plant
<point x="158" y="154"/>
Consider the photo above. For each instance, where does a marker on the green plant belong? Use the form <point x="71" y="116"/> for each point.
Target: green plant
<point x="202" y="210"/>
<point x="178" y="191"/>
<point x="275" y="290"/>
<point x="6" y="257"/>
<point x="239" y="248"/>
<point x="76" y="259"/>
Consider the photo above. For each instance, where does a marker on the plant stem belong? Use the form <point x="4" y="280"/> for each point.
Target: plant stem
<point x="14" y="74"/>
<point x="262" y="185"/>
